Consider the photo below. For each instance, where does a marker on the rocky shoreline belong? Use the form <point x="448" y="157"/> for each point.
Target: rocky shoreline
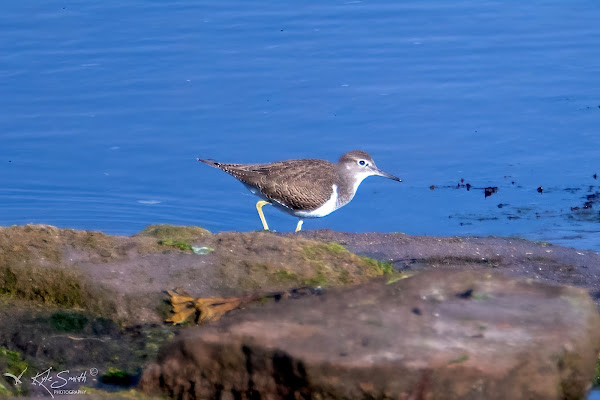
<point x="394" y="316"/>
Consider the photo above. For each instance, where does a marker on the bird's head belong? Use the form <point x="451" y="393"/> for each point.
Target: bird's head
<point x="360" y="165"/>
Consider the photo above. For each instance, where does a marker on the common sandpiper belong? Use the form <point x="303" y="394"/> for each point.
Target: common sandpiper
<point x="305" y="188"/>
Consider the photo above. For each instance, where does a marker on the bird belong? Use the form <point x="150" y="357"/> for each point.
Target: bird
<point x="304" y="188"/>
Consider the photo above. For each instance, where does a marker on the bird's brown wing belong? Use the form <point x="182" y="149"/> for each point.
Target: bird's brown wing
<point x="297" y="184"/>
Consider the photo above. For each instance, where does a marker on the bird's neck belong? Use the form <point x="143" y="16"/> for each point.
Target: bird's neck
<point x="347" y="184"/>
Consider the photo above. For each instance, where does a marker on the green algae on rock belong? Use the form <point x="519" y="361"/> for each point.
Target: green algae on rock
<point x="36" y="264"/>
<point x="325" y="256"/>
<point x="11" y="362"/>
<point x="68" y="321"/>
<point x="65" y="339"/>
<point x="174" y="232"/>
<point x="181" y="245"/>
<point x="381" y="267"/>
<point x="49" y="285"/>
<point x="262" y="261"/>
<point x="118" y="377"/>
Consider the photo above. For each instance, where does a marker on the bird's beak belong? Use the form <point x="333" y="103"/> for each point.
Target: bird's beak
<point x="377" y="171"/>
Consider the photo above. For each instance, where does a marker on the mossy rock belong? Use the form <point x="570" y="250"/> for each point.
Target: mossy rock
<point x="284" y="275"/>
<point x="11" y="362"/>
<point x="57" y="286"/>
<point x="326" y="256"/>
<point x="66" y="268"/>
<point x="4" y="392"/>
<point x="380" y="267"/>
<point x="32" y="265"/>
<point x="256" y="261"/>
<point x="117" y="377"/>
<point x="68" y="321"/>
<point x="174" y="233"/>
<point x="319" y="250"/>
<point x="181" y="245"/>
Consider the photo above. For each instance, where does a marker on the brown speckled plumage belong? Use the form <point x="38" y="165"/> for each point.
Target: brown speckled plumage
<point x="306" y="188"/>
<point x="302" y="184"/>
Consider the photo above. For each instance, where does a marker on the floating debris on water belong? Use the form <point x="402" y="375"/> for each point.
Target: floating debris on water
<point x="488" y="191"/>
<point x="585" y="209"/>
<point x="462" y="184"/>
<point x="588" y="204"/>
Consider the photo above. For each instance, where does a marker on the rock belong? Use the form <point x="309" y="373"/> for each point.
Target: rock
<point x="123" y="277"/>
<point x="85" y="299"/>
<point x="438" y="335"/>
<point x="82" y="299"/>
<point x="511" y="256"/>
<point x="174" y="232"/>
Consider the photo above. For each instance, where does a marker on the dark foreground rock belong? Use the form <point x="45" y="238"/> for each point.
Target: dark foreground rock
<point x="437" y="335"/>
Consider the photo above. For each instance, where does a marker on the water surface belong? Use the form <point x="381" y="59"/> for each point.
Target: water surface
<point x="105" y="107"/>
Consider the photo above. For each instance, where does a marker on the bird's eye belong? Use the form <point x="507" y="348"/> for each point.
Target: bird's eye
<point x="362" y="162"/>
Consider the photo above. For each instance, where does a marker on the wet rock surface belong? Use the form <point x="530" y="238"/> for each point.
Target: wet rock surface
<point x="83" y="300"/>
<point x="511" y="256"/>
<point x="437" y="335"/>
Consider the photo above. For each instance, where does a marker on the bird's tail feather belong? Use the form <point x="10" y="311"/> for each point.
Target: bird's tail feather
<point x="210" y="162"/>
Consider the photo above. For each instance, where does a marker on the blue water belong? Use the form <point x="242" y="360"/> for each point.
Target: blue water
<point x="104" y="107"/>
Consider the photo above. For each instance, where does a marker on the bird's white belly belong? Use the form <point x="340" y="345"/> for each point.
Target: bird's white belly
<point x="327" y="208"/>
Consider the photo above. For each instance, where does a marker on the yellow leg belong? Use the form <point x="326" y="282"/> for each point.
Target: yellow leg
<point x="299" y="226"/>
<point x="259" y="207"/>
